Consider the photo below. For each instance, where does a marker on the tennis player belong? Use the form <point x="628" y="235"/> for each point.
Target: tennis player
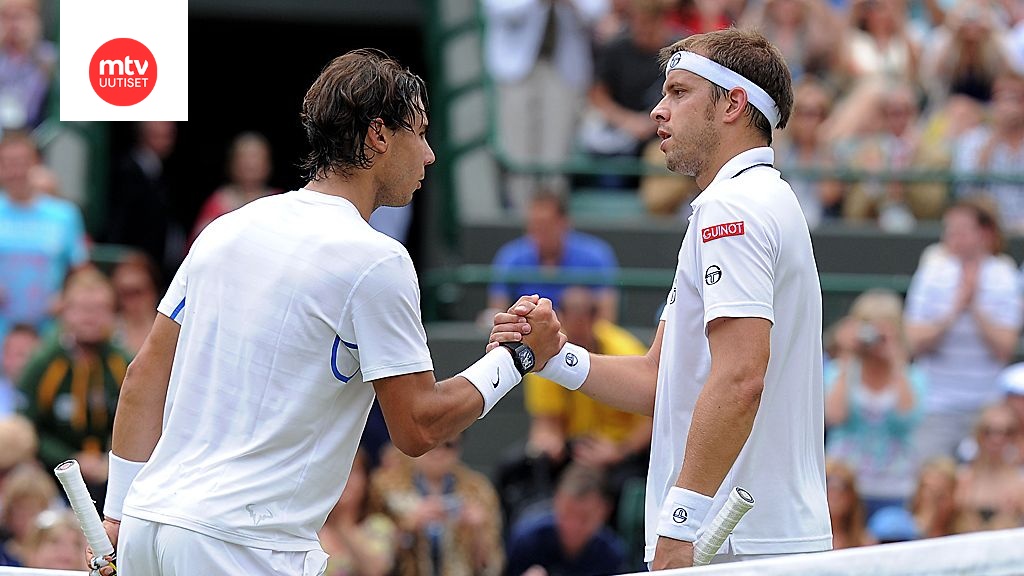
<point x="240" y="417"/>
<point x="734" y="376"/>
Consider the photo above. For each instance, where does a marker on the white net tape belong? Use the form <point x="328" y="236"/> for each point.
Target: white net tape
<point x="995" y="553"/>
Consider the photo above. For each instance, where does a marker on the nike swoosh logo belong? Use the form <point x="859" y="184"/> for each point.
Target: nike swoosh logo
<point x="497" y="377"/>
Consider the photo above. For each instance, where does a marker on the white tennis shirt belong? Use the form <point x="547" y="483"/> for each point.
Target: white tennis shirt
<point x="289" y="307"/>
<point x="747" y="253"/>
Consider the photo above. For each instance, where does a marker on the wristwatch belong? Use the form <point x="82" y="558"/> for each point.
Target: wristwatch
<point x="522" y="355"/>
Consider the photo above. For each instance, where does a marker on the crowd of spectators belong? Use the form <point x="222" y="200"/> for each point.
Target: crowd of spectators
<point x="901" y="107"/>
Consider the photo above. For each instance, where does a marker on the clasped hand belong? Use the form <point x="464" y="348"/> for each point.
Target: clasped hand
<point x="531" y="320"/>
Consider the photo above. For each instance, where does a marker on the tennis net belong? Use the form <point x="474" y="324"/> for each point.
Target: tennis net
<point x="994" y="553"/>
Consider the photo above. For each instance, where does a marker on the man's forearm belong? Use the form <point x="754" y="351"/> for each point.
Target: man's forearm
<point x="721" y="424"/>
<point x="624" y="382"/>
<point x="139" y="418"/>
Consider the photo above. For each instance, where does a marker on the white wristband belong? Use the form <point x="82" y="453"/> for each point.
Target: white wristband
<point x="493" y="375"/>
<point x="569" y="368"/>
<point x="119" y="479"/>
<point x="682" y="514"/>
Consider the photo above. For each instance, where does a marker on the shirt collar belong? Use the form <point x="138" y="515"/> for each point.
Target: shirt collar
<point x="738" y="163"/>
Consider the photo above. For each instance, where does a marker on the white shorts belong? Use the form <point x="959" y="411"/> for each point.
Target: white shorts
<point x="147" y="548"/>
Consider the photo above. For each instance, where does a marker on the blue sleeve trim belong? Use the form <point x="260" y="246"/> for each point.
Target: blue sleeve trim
<point x="334" y="359"/>
<point x="178" y="309"/>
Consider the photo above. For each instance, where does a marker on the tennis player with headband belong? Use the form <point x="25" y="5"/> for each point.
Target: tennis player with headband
<point x="734" y="376"/>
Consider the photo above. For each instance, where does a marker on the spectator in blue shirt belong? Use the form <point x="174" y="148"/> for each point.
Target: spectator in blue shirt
<point x="41" y="239"/>
<point x="551" y="247"/>
<point x="571" y="538"/>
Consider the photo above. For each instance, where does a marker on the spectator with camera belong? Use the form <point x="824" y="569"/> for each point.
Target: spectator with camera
<point x="873" y="400"/>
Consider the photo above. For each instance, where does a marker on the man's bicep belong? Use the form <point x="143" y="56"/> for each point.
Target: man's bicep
<point x="398" y="395"/>
<point x="740" y="346"/>
<point x="158" y="349"/>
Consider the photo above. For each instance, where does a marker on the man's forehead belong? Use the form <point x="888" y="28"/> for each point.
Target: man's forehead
<point x="681" y="77"/>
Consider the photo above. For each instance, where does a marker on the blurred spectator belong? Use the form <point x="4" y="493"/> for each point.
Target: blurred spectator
<point x="1012" y="383"/>
<point x="248" y="170"/>
<point x="934" y="501"/>
<point x="873" y="400"/>
<point x="72" y="384"/>
<point x="567" y="426"/>
<point x="880" y="43"/>
<point x="448" y="515"/>
<point x="18" y="347"/>
<point x="688" y="17"/>
<point x="20" y="445"/>
<point x="551" y="247"/>
<point x="990" y="488"/>
<point x="44" y="180"/>
<point x="965" y="55"/>
<point x="55" y="542"/>
<point x="42" y="238"/>
<point x="626" y="86"/>
<point x="998" y="148"/>
<point x="539" y="54"/>
<point x="142" y="205"/>
<point x="27" y="64"/>
<point x="394" y="221"/>
<point x="612" y="24"/>
<point x="359" y="543"/>
<point x="668" y="193"/>
<point x="802" y="147"/>
<point x="893" y="524"/>
<point x="963" y="319"/>
<point x="849" y="525"/>
<point x="572" y="538"/>
<point x="27" y="492"/>
<point x="135" y="279"/>
<point x="807" y="32"/>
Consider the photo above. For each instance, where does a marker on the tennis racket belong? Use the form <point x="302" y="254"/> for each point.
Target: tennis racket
<point x="711" y="539"/>
<point x="70" y="476"/>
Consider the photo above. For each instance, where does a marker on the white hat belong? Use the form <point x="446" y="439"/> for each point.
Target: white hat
<point x="1011" y="379"/>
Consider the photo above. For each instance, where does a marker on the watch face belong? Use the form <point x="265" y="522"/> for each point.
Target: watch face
<point x="526" y="358"/>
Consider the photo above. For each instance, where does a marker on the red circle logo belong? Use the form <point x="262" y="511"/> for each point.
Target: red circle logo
<point x="123" y="72"/>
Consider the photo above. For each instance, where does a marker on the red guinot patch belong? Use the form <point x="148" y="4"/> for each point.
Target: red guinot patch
<point x="722" y="231"/>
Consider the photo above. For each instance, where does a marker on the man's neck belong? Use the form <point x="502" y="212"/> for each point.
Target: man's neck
<point x="20" y="196"/>
<point x="357" y="189"/>
<point x="731" y="145"/>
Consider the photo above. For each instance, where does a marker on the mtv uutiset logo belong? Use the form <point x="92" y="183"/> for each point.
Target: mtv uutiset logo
<point x="123" y="72"/>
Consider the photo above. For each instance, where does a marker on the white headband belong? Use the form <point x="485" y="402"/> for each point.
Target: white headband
<point x="726" y="78"/>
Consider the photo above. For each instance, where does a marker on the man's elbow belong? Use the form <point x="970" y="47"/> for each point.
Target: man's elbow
<point x="747" y="391"/>
<point x="419" y="437"/>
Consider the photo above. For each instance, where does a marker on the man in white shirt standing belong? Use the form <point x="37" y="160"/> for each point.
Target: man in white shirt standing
<point x="734" y="377"/>
<point x="240" y="417"/>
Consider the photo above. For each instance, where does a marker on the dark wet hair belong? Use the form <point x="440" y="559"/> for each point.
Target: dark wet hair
<point x="353" y="91"/>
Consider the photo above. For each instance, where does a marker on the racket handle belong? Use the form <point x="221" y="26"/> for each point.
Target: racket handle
<point x="70" y="475"/>
<point x="713" y="536"/>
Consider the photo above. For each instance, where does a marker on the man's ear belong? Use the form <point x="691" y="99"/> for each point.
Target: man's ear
<point x="377" y="137"/>
<point x="737" y="104"/>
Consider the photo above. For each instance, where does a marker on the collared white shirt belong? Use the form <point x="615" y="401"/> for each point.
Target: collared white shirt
<point x="289" y="307"/>
<point x="747" y="253"/>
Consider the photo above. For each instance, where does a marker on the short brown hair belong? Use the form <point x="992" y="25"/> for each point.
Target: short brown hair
<point x="353" y="90"/>
<point x="751" y="55"/>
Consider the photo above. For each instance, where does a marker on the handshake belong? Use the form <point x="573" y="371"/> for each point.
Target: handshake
<point x="531" y="332"/>
<point x="532" y="321"/>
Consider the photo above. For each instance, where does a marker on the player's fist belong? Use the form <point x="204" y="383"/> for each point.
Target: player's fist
<point x="545" y="337"/>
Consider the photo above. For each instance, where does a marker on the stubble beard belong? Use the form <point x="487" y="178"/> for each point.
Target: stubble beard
<point x="703" y="146"/>
<point x="389" y="194"/>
